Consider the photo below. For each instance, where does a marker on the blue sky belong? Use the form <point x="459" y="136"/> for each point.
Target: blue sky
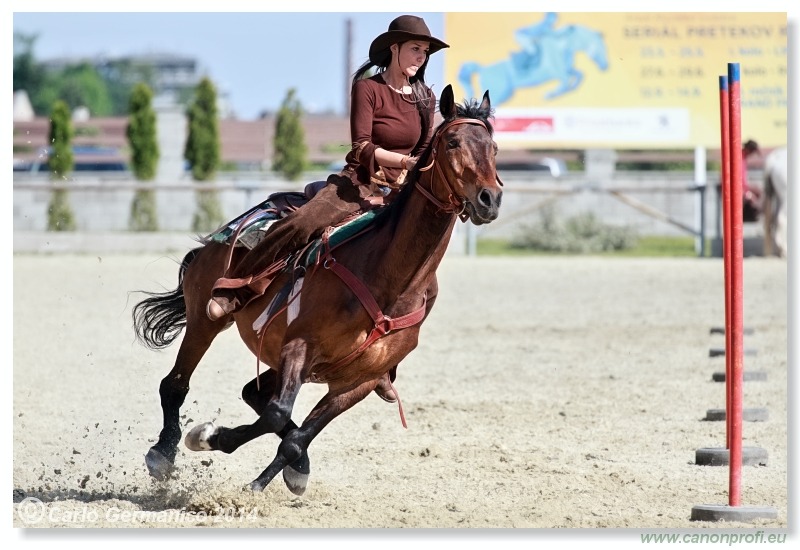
<point x="253" y="57"/>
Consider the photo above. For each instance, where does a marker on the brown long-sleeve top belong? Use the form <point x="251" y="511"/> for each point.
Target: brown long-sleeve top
<point x="381" y="118"/>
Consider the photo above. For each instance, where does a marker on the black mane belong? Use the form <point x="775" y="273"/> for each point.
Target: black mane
<point x="472" y="109"/>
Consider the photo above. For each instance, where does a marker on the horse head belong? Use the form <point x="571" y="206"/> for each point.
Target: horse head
<point x="462" y="154"/>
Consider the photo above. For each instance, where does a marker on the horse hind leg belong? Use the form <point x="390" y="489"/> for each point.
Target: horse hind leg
<point x="199" y="334"/>
<point x="160" y="459"/>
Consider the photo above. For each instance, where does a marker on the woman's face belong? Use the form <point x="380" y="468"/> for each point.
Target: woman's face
<point x="412" y="55"/>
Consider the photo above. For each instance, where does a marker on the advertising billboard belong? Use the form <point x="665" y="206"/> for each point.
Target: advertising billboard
<point x="626" y="80"/>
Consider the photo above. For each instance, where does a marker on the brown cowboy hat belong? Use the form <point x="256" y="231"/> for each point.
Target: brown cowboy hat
<point x="401" y="29"/>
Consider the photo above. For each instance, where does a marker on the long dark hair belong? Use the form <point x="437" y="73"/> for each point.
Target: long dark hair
<point x="421" y="95"/>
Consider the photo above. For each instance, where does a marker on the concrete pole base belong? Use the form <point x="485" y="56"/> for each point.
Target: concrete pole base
<point x="715" y="456"/>
<point x="721" y="330"/>
<point x="720" y="352"/>
<point x="748" y="415"/>
<point x="712" y="512"/>
<point x="747" y="376"/>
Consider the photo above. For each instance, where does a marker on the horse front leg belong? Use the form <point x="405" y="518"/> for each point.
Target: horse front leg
<point x="295" y="475"/>
<point x="295" y="444"/>
<point x="160" y="459"/>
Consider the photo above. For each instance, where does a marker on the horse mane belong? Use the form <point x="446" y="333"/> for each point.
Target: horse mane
<point x="469" y="109"/>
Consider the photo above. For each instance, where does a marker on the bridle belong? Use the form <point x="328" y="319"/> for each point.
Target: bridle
<point x="454" y="204"/>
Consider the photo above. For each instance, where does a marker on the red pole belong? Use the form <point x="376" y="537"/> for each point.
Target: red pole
<point x="736" y="298"/>
<point x="725" y="187"/>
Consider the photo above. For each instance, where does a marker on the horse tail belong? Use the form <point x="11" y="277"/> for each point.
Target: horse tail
<point x="465" y="76"/>
<point x="159" y="319"/>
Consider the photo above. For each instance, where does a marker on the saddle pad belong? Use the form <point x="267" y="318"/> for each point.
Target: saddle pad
<point x="338" y="235"/>
<point x="256" y="221"/>
<point x="254" y="224"/>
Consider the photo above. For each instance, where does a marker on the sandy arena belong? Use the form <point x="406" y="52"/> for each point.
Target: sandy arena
<point x="546" y="393"/>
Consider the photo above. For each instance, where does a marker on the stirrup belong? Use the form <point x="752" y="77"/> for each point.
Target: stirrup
<point x="219" y="307"/>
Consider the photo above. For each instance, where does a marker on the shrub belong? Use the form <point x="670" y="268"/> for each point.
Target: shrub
<point x="580" y="234"/>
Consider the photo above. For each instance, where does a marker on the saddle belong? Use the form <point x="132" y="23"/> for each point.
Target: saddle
<point x="248" y="229"/>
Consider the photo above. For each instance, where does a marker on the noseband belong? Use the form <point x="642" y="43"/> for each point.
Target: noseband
<point x="455" y="204"/>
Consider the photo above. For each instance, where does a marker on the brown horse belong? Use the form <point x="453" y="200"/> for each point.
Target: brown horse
<point x="346" y="320"/>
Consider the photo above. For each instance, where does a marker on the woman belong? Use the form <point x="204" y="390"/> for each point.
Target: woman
<point x="391" y="123"/>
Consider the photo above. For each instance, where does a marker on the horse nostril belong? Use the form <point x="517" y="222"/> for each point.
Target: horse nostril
<point x="485" y="198"/>
<point x="489" y="200"/>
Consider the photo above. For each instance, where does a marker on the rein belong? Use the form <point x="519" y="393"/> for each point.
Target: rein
<point x="454" y="204"/>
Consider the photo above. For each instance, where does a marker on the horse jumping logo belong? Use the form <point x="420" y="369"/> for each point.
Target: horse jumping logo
<point x="547" y="54"/>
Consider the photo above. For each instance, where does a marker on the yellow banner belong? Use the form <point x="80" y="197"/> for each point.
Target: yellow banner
<point x="633" y="80"/>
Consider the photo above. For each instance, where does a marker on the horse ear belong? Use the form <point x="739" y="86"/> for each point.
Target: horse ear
<point x="447" y="105"/>
<point x="486" y="103"/>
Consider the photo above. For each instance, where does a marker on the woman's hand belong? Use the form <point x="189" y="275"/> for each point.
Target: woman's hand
<point x="410" y="162"/>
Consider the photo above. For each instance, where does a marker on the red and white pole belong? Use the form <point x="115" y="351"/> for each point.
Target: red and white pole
<point x="725" y="189"/>
<point x="733" y="256"/>
<point x="735" y="351"/>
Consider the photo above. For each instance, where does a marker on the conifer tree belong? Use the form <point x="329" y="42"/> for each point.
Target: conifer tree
<point x="203" y="153"/>
<point x="289" y="144"/>
<point x="143" y="144"/>
<point x="60" y="162"/>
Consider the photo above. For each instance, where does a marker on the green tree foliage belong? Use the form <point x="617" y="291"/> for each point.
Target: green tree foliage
<point x="104" y="88"/>
<point x="61" y="162"/>
<point x="208" y="216"/>
<point x="82" y="85"/>
<point x="59" y="212"/>
<point x="28" y="75"/>
<point x="143" y="144"/>
<point x="290" y="149"/>
<point x="121" y="76"/>
<point x="141" y="133"/>
<point x="60" y="137"/>
<point x="581" y="234"/>
<point x="144" y="211"/>
<point x="76" y="85"/>
<point x="202" y="150"/>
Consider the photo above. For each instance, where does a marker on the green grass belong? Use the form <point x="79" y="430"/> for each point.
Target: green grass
<point x="652" y="246"/>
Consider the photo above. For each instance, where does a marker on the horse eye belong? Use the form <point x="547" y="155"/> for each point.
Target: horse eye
<point x="452" y="143"/>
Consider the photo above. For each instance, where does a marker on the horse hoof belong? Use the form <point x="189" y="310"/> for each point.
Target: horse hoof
<point x="158" y="465"/>
<point x="295" y="481"/>
<point x="257" y="486"/>
<point x="198" y="437"/>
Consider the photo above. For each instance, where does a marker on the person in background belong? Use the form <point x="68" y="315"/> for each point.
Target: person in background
<point x="751" y="196"/>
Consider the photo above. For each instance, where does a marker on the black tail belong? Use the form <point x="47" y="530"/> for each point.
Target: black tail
<point x="159" y="319"/>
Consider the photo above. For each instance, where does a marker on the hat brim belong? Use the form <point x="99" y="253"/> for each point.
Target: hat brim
<point x="383" y="41"/>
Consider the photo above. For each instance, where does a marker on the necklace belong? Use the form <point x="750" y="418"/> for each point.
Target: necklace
<point x="405" y="89"/>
